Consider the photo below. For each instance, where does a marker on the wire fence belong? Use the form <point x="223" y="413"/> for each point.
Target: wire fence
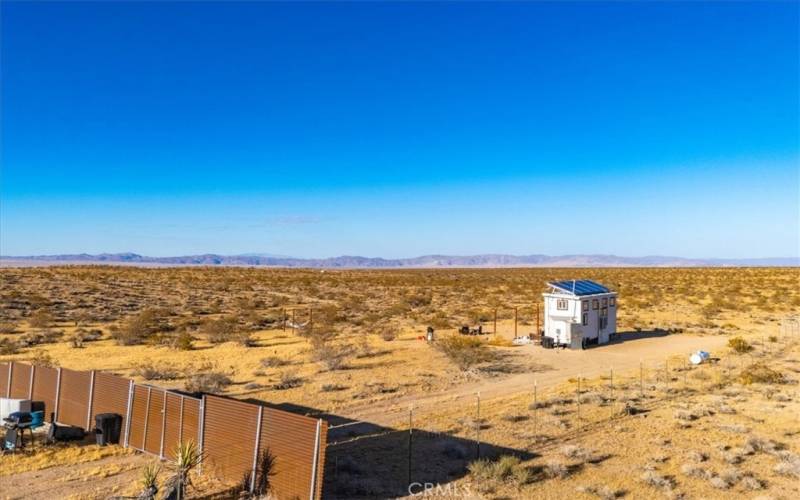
<point x="433" y="443"/>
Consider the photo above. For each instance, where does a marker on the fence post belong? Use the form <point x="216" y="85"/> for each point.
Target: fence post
<point x="255" y="452"/>
<point x="410" y="438"/>
<point x="535" y="406"/>
<point x="478" y="426"/>
<point x="163" y="425"/>
<point x="58" y="394"/>
<point x="180" y="422"/>
<point x="91" y="396"/>
<point x="30" y="389"/>
<point x="10" y="371"/>
<point x="201" y="431"/>
<point x="146" y="419"/>
<point x="314" y="465"/>
<point x="128" y="413"/>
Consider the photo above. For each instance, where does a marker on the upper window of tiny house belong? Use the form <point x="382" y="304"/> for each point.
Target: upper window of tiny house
<point x="561" y="304"/>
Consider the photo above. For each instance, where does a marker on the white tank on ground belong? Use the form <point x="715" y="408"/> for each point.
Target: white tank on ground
<point x="699" y="357"/>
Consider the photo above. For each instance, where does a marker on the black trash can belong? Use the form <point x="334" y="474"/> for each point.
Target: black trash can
<point x="108" y="427"/>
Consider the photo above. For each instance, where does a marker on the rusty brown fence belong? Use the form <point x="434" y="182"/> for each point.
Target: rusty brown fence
<point x="231" y="434"/>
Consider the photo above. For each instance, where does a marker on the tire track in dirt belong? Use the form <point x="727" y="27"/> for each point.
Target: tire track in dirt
<point x="623" y="356"/>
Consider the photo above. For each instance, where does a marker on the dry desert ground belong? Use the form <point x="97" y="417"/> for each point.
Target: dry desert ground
<point x="488" y="419"/>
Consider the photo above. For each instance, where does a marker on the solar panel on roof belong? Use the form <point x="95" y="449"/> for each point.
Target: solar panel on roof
<point x="580" y="287"/>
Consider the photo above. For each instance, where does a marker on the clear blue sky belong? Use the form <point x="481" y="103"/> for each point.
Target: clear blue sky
<point x="391" y="129"/>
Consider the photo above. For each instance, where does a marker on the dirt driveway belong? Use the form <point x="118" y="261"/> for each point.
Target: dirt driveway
<point x="557" y="366"/>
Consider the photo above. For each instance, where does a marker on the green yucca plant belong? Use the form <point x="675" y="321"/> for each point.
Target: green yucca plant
<point x="149" y="481"/>
<point x="187" y="458"/>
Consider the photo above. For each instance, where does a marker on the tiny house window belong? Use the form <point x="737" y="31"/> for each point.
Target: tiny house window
<point x="595" y="304"/>
<point x="605" y="302"/>
<point x="585" y="305"/>
<point x="561" y="304"/>
<point x="612" y="301"/>
<point x="585" y="319"/>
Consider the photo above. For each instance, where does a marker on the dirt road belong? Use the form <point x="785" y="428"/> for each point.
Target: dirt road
<point x="558" y="365"/>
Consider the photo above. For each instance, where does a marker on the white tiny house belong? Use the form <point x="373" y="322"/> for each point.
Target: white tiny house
<point x="578" y="313"/>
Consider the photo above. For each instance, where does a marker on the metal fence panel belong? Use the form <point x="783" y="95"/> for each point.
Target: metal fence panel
<point x="181" y="422"/>
<point x="73" y="402"/>
<point x="229" y="429"/>
<point x="4" y="370"/>
<point x="20" y="380"/>
<point x="44" y="388"/>
<point x="138" y="417"/>
<point x="155" y="416"/>
<point x="110" y="396"/>
<point x="232" y="434"/>
<point x="291" y="439"/>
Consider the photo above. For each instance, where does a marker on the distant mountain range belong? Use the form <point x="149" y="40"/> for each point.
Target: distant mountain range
<point x="425" y="261"/>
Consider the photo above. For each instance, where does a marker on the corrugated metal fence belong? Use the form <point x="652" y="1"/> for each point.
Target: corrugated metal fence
<point x="230" y="433"/>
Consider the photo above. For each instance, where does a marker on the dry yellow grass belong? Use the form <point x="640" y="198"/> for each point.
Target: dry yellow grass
<point x="43" y="309"/>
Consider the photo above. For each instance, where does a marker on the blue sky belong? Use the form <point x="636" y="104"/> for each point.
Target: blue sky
<point x="400" y="129"/>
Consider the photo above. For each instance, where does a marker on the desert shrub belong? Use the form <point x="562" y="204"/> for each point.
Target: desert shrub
<point x="331" y="388"/>
<point x="7" y="327"/>
<point x="40" y="318"/>
<point x="389" y="333"/>
<point x="603" y="492"/>
<point x="9" y="347"/>
<point x="760" y="373"/>
<point x="81" y="335"/>
<point x="751" y="483"/>
<point x="739" y="345"/>
<point x="755" y="443"/>
<point x="219" y="330"/>
<point x="274" y="362"/>
<point x="331" y="356"/>
<point x="575" y="452"/>
<point x="693" y="470"/>
<point x="789" y="467"/>
<point x="135" y="329"/>
<point x="40" y="337"/>
<point x="657" y="480"/>
<point x="288" y="380"/>
<point x="184" y="341"/>
<point x="555" y="470"/>
<point x="719" y="483"/>
<point x="211" y="382"/>
<point x="506" y="469"/>
<point x="76" y="340"/>
<point x="245" y="338"/>
<point x="697" y="456"/>
<point x="153" y="371"/>
<point x="42" y="358"/>
<point x="465" y="352"/>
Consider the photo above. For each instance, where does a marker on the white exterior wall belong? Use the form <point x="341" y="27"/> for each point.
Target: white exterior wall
<point x="557" y="323"/>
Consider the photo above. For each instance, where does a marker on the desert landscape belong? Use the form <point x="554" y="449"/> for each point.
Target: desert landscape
<point x="488" y="419"/>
